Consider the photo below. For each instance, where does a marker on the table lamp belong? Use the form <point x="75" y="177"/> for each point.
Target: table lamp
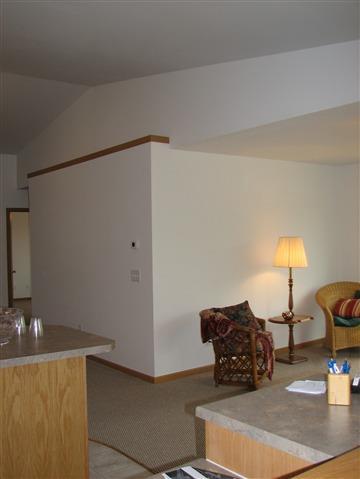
<point x="290" y="253"/>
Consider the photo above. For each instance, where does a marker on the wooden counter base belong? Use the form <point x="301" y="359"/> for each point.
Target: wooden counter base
<point x="43" y="421"/>
<point x="246" y="456"/>
<point x="347" y="465"/>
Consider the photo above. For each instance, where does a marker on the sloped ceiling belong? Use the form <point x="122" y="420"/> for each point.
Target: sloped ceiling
<point x="329" y="136"/>
<point x="51" y="51"/>
<point x="94" y="43"/>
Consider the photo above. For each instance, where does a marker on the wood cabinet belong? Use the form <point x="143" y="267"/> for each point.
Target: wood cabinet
<point x="43" y="410"/>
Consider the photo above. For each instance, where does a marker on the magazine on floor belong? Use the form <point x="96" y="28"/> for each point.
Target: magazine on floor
<point x="188" y="472"/>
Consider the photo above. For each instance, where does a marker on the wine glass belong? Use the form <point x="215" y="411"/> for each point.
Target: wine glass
<point x="9" y="318"/>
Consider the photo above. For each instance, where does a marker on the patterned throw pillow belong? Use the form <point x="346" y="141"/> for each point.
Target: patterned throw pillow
<point x="347" y="308"/>
<point x="241" y="314"/>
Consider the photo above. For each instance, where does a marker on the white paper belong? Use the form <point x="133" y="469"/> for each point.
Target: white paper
<point x="188" y="470"/>
<point x="192" y="472"/>
<point x="307" y="387"/>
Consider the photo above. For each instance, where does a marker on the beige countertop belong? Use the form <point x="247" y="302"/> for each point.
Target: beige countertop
<point x="57" y="342"/>
<point x="303" y="425"/>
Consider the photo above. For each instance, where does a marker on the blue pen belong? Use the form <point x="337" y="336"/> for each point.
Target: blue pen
<point x="331" y="366"/>
<point x="346" y="367"/>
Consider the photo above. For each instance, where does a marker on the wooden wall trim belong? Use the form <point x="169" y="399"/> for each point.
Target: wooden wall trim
<point x="183" y="374"/>
<point x="313" y="342"/>
<point x="123" y="369"/>
<point x="100" y="153"/>
<point x="187" y="372"/>
<point x="152" y="379"/>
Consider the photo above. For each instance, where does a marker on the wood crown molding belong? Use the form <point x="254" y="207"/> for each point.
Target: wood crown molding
<point x="99" y="153"/>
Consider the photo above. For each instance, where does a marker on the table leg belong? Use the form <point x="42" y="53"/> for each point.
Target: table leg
<point x="292" y="359"/>
<point x="291" y="343"/>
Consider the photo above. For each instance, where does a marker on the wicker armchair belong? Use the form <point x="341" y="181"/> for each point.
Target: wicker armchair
<point x="337" y="337"/>
<point x="244" y="355"/>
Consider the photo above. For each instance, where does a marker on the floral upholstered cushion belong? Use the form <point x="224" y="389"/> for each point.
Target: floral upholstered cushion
<point x="347" y="308"/>
<point x="241" y="314"/>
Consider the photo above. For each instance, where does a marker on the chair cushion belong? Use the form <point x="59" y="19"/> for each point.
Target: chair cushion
<point x="347" y="308"/>
<point x="357" y="294"/>
<point x="241" y="314"/>
<point x="347" y="323"/>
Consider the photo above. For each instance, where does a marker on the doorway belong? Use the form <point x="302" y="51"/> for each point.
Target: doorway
<point x="18" y="259"/>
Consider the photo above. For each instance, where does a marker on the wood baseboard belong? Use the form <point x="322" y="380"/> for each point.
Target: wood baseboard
<point x="187" y="372"/>
<point x="183" y="374"/>
<point x="153" y="379"/>
<point x="314" y="342"/>
<point x="123" y="369"/>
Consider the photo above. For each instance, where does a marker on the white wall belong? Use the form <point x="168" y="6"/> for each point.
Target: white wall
<point x="83" y="221"/>
<point x="192" y="105"/>
<point x="207" y="226"/>
<point x="10" y="197"/>
<point x="347" y="194"/>
<point x="216" y="221"/>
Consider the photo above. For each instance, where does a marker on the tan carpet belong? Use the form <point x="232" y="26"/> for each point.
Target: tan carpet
<point x="151" y="423"/>
<point x="154" y="424"/>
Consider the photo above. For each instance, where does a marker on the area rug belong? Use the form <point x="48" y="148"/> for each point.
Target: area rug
<point x="153" y="424"/>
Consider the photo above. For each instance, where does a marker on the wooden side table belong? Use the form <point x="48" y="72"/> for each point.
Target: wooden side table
<point x="298" y="318"/>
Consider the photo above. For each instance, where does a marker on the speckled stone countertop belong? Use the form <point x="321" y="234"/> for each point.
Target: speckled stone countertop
<point x="303" y="425"/>
<point x="58" y="342"/>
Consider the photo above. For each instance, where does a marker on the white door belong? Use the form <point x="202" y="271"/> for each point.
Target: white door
<point x="20" y="246"/>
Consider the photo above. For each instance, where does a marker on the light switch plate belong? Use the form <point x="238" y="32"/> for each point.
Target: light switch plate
<point x="135" y="275"/>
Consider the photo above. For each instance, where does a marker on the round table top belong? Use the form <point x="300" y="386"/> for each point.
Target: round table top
<point x="298" y="318"/>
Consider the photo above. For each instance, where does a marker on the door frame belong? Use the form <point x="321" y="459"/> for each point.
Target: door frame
<point x="9" y="252"/>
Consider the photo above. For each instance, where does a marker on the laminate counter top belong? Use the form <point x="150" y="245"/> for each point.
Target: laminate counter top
<point x="302" y="425"/>
<point x="57" y="342"/>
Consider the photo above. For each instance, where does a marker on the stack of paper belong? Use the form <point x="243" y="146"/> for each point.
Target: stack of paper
<point x="188" y="472"/>
<point x="307" y="387"/>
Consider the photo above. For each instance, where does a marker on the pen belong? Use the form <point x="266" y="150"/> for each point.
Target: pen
<point x="345" y="368"/>
<point x="331" y="366"/>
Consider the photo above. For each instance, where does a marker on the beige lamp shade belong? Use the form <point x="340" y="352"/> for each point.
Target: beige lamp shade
<point x="290" y="253"/>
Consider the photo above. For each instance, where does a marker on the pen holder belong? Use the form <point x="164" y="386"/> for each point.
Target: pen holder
<point x="339" y="389"/>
